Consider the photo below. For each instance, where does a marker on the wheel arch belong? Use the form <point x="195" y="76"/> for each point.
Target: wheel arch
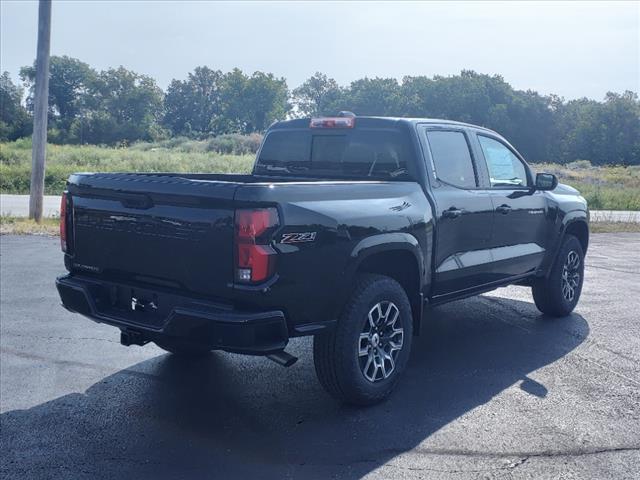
<point x="396" y="255"/>
<point x="579" y="229"/>
<point x="575" y="223"/>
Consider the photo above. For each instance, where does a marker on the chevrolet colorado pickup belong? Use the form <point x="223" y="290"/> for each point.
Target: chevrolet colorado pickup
<point x="349" y="229"/>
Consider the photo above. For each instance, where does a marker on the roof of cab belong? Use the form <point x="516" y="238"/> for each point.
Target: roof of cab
<point x="372" y="121"/>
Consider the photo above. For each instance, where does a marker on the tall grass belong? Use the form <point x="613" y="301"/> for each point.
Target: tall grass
<point x="606" y="188"/>
<point x="63" y="160"/>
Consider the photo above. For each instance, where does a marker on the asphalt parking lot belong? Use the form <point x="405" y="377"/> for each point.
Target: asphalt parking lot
<point x="493" y="390"/>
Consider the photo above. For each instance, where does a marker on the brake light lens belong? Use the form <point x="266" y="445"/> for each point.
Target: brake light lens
<point x="255" y="257"/>
<point x="63" y="222"/>
<point x="333" y="122"/>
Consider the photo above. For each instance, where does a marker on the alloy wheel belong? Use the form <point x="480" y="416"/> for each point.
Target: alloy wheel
<point x="380" y="342"/>
<point x="570" y="275"/>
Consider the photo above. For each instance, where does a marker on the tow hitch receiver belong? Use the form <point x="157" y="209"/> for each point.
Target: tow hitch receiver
<point x="283" y="358"/>
<point x="131" y="337"/>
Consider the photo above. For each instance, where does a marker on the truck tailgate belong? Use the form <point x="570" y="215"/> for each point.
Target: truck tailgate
<point x="160" y="229"/>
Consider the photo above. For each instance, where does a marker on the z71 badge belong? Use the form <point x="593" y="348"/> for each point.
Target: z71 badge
<point x="298" y="237"/>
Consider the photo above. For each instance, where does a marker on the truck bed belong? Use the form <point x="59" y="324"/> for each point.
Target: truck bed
<point x="176" y="230"/>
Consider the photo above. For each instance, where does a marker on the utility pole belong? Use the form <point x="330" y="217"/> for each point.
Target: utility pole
<point x="41" y="107"/>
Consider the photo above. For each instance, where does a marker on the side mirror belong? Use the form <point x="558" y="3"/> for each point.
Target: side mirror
<point x="546" y="181"/>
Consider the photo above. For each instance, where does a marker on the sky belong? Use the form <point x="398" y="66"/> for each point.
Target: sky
<point x="573" y="49"/>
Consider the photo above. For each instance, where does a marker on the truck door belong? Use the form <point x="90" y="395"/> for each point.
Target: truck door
<point x="521" y="218"/>
<point x="464" y="212"/>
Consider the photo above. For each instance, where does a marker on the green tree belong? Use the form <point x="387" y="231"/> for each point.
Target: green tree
<point x="267" y="100"/>
<point x="415" y="96"/>
<point x="124" y="107"/>
<point x="14" y="119"/>
<point x="467" y="97"/>
<point x="251" y="104"/>
<point x="603" y="132"/>
<point x="529" y="124"/>
<point x="193" y="105"/>
<point x="233" y="103"/>
<point x="620" y="113"/>
<point x="373" y="96"/>
<point x="318" y="95"/>
<point x="523" y="117"/>
<point x="70" y="81"/>
<point x="117" y="105"/>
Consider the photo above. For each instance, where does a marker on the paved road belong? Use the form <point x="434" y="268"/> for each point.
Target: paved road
<point x="18" y="206"/>
<point x="615" y="216"/>
<point x="493" y="390"/>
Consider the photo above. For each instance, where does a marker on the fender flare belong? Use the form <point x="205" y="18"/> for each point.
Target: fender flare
<point x="385" y="242"/>
<point x="571" y="217"/>
<point x="390" y="242"/>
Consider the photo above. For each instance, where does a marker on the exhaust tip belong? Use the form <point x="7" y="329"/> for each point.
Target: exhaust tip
<point x="283" y="358"/>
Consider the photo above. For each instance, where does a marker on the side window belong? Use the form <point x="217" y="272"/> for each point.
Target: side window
<point x="505" y="169"/>
<point x="451" y="158"/>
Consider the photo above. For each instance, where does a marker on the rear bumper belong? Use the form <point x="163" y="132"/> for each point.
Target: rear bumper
<point x="160" y="314"/>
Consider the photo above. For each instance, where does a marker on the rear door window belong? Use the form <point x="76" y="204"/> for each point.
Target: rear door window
<point x="452" y="158"/>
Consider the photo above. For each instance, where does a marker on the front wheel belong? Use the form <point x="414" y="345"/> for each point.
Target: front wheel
<point x="558" y="294"/>
<point x="362" y="358"/>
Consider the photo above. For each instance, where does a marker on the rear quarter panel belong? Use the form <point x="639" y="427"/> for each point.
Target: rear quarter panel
<point x="348" y="221"/>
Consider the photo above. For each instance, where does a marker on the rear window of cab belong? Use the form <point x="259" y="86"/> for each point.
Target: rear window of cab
<point x="375" y="153"/>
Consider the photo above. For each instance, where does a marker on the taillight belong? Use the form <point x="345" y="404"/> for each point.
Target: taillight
<point x="63" y="222"/>
<point x="255" y="257"/>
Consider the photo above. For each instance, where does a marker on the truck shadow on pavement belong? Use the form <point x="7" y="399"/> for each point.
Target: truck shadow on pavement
<point x="239" y="417"/>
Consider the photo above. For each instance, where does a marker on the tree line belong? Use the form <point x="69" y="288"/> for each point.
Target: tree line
<point x="118" y="106"/>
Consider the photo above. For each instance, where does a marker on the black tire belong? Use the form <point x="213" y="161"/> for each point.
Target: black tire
<point x="336" y="353"/>
<point x="555" y="295"/>
<point x="181" y="348"/>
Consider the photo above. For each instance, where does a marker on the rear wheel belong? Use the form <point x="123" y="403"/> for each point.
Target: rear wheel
<point x="182" y="348"/>
<point x="558" y="294"/>
<point x="362" y="358"/>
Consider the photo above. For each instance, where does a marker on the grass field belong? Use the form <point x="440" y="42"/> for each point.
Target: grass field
<point x="63" y="160"/>
<point x="605" y="188"/>
<point x="25" y="226"/>
<point x="609" y="188"/>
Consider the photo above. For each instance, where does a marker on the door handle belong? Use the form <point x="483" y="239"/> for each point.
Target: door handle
<point x="503" y="209"/>
<point x="452" y="212"/>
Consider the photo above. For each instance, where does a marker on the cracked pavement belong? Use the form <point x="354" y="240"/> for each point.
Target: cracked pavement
<point x="493" y="390"/>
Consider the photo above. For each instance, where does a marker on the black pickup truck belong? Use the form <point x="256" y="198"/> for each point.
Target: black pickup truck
<point x="349" y="229"/>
